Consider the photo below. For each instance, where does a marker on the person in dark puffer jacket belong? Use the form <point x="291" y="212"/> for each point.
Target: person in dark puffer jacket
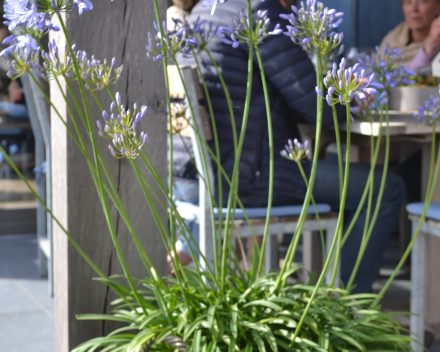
<point x="291" y="83"/>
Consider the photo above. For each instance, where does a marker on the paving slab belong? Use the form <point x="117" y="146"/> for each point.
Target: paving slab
<point x="26" y="309"/>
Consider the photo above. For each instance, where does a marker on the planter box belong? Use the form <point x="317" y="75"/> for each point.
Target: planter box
<point x="409" y="98"/>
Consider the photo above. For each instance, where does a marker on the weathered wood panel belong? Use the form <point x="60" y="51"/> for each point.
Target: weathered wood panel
<point x="117" y="29"/>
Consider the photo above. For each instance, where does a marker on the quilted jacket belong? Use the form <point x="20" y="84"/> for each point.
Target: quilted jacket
<point x="291" y="82"/>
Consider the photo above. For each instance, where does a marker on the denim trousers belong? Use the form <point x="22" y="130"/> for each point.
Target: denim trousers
<point x="326" y="190"/>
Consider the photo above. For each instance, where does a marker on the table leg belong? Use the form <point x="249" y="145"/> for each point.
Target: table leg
<point x="432" y="296"/>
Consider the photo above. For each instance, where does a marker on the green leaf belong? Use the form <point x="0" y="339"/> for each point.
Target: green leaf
<point x="258" y="340"/>
<point x="193" y="326"/>
<point x="211" y="316"/>
<point x="271" y="339"/>
<point x="234" y="321"/>
<point x="284" y="300"/>
<point x="348" y="338"/>
<point x="197" y="341"/>
<point x="103" y="317"/>
<point x="264" y="303"/>
<point x="280" y="320"/>
<point x="254" y="326"/>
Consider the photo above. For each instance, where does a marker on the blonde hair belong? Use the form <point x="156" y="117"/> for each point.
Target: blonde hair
<point x="187" y="5"/>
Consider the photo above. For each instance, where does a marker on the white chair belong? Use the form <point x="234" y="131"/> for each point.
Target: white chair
<point x="284" y="219"/>
<point x="431" y="226"/>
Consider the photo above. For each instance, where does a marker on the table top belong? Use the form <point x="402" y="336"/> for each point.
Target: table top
<point x="401" y="123"/>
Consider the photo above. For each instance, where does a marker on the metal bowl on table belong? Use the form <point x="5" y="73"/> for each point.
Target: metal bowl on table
<point x="409" y="98"/>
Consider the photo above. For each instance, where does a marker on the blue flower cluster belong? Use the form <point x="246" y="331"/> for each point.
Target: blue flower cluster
<point x="173" y="42"/>
<point x="120" y="127"/>
<point x="429" y="114"/>
<point x="242" y="33"/>
<point x="346" y="83"/>
<point x="212" y="3"/>
<point x="295" y="151"/>
<point x="388" y="67"/>
<point x="313" y="27"/>
<point x="19" y="14"/>
<point x="370" y="106"/>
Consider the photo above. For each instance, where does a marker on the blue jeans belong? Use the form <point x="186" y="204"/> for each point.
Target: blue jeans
<point x="326" y="190"/>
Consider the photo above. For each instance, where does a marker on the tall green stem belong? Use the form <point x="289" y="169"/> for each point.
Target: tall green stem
<point x="234" y="178"/>
<point x="216" y="240"/>
<point x="271" y="159"/>
<point x="335" y="239"/>
<point x="366" y="238"/>
<point x="293" y="246"/>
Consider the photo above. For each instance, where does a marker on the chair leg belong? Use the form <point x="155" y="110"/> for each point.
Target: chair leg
<point x="312" y="253"/>
<point x="270" y="254"/>
<point x="330" y="235"/>
<point x="418" y="262"/>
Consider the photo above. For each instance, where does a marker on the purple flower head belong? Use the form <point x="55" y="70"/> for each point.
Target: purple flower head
<point x="212" y="3"/>
<point x="82" y="5"/>
<point x="312" y="27"/>
<point x="346" y="84"/>
<point x="166" y="43"/>
<point x="122" y="130"/>
<point x="429" y="113"/>
<point x="388" y="68"/>
<point x="295" y="150"/>
<point x="241" y="32"/>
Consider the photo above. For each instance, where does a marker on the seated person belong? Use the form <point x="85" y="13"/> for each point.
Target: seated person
<point x="291" y="79"/>
<point x="419" y="35"/>
<point x="179" y="10"/>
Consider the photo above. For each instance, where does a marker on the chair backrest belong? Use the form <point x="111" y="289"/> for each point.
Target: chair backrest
<point x="200" y="130"/>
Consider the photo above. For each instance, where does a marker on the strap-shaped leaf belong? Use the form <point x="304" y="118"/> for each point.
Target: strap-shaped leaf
<point x="264" y="303"/>
<point x="254" y="326"/>
<point x="193" y="326"/>
<point x="234" y="320"/>
<point x="349" y="339"/>
<point x="258" y="341"/>
<point x="197" y="341"/>
<point x="271" y="339"/>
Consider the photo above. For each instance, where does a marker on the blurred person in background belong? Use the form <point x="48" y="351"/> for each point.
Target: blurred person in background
<point x="419" y="35"/>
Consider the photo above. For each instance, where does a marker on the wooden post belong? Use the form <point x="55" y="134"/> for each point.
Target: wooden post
<point x="117" y="29"/>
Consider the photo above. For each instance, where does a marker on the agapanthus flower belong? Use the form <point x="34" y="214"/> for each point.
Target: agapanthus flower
<point x="389" y="68"/>
<point x="429" y="113"/>
<point x="197" y="34"/>
<point x="82" y="5"/>
<point x="212" y="3"/>
<point x="101" y="74"/>
<point x="18" y="14"/>
<point x="120" y="127"/>
<point x="370" y="106"/>
<point x="26" y="43"/>
<point x="242" y="33"/>
<point x="172" y="43"/>
<point x="295" y="151"/>
<point x="313" y="27"/>
<point x="23" y="63"/>
<point x="344" y="84"/>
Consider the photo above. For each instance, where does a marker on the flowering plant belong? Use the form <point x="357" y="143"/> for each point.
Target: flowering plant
<point x="215" y="306"/>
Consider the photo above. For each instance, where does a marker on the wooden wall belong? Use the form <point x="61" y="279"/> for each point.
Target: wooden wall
<point x="113" y="28"/>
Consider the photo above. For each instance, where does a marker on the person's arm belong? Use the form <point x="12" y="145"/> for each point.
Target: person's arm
<point x="432" y="43"/>
<point x="420" y="60"/>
